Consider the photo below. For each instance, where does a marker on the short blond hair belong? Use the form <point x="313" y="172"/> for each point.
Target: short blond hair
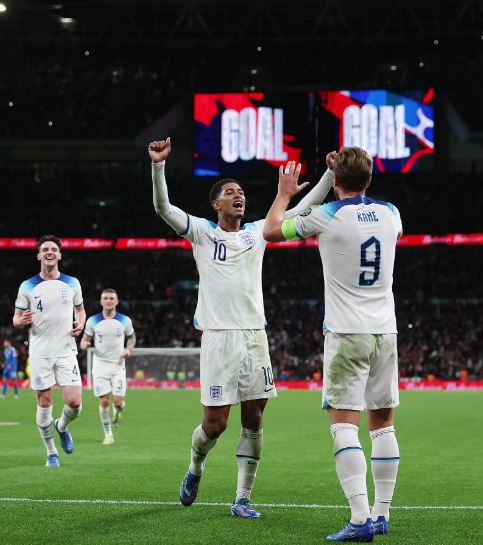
<point x="353" y="168"/>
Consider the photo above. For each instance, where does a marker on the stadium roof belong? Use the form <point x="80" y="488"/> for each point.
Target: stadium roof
<point x="189" y="22"/>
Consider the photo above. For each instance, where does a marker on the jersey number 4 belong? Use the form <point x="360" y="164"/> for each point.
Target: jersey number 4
<point x="375" y="263"/>
<point x="39" y="305"/>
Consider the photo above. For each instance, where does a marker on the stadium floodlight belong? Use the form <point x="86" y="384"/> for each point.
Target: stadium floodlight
<point x="66" y="20"/>
<point x="3" y="8"/>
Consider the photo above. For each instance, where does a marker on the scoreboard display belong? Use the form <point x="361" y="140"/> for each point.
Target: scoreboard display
<point x="396" y="129"/>
<point x="249" y="134"/>
<point x="252" y="134"/>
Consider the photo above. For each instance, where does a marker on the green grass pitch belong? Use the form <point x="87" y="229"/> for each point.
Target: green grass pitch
<point x="441" y="465"/>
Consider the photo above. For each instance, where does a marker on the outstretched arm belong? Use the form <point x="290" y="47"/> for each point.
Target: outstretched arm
<point x="318" y="193"/>
<point x="275" y="229"/>
<point x="172" y="215"/>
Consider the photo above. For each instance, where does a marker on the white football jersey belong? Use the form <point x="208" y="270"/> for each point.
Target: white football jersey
<point x="52" y="302"/>
<point x="230" y="268"/>
<point x="357" y="242"/>
<point x="109" y="335"/>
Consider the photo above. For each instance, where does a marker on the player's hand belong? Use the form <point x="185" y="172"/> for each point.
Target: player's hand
<point x="159" y="150"/>
<point x="329" y="159"/>
<point x="27" y="317"/>
<point x="288" y="180"/>
<point x="76" y="329"/>
<point x="126" y="353"/>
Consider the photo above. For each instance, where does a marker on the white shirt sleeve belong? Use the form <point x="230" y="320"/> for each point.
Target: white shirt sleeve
<point x="172" y="215"/>
<point x="22" y="302"/>
<point x="315" y="196"/>
<point x="311" y="222"/>
<point x="129" y="329"/>
<point x="89" y="329"/>
<point x="78" y="300"/>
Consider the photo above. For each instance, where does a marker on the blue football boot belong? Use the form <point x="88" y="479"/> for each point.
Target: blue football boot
<point x="244" y="509"/>
<point x="358" y="533"/>
<point x="65" y="439"/>
<point x="381" y="526"/>
<point x="52" y="461"/>
<point x="188" y="491"/>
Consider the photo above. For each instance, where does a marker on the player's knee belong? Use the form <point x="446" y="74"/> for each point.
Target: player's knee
<point x="214" y="428"/>
<point x="75" y="404"/>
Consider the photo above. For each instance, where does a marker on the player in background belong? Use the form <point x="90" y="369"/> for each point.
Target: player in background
<point x="50" y="304"/>
<point x="235" y="363"/>
<point x="109" y="330"/>
<point x="357" y="241"/>
<point x="9" y="368"/>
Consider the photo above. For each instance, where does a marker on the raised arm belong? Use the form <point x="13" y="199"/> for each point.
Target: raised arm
<point x="172" y="215"/>
<point x="318" y="193"/>
<point x="276" y="226"/>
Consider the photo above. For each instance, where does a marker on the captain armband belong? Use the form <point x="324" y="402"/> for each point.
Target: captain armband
<point x="289" y="229"/>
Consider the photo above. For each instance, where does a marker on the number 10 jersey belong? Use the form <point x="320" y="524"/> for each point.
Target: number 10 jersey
<point x="230" y="269"/>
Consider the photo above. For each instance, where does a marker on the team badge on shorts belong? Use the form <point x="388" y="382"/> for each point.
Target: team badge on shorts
<point x="247" y="238"/>
<point x="215" y="392"/>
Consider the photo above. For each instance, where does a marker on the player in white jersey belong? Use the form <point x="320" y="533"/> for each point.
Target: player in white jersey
<point x="50" y="304"/>
<point x="235" y="363"/>
<point x="109" y="330"/>
<point x="357" y="239"/>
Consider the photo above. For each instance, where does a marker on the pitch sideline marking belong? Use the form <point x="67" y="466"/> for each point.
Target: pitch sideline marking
<point x="219" y="504"/>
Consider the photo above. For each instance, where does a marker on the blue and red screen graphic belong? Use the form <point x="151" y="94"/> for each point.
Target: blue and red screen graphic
<point x="249" y="134"/>
<point x="396" y="129"/>
<point x="252" y="134"/>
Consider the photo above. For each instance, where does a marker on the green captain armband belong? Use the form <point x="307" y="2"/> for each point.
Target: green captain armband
<point x="289" y="229"/>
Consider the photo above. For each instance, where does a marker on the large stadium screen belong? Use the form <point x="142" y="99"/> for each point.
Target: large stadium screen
<point x="249" y="134"/>
<point x="396" y="129"/>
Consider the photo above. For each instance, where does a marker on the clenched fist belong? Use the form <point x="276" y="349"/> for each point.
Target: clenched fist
<point x="159" y="150"/>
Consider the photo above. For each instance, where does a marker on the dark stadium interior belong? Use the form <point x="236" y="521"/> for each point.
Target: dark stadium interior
<point x="80" y="100"/>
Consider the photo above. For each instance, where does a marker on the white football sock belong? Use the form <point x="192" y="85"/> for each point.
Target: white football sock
<point x="68" y="414"/>
<point x="45" y="423"/>
<point x="351" y="468"/>
<point x="118" y="410"/>
<point x="105" y="417"/>
<point x="385" y="463"/>
<point x="247" y="459"/>
<point x="201" y="444"/>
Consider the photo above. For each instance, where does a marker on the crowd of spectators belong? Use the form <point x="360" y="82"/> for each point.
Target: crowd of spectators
<point x="439" y="305"/>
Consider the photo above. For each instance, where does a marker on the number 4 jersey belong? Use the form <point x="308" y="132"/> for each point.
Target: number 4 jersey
<point x="357" y="242"/>
<point x="52" y="302"/>
<point x="230" y="268"/>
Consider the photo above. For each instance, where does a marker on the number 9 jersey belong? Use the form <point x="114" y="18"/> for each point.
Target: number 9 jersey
<point x="357" y="242"/>
<point x="52" y="303"/>
<point x="230" y="268"/>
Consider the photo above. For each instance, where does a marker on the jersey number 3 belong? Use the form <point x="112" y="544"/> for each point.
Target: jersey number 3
<point x="374" y="263"/>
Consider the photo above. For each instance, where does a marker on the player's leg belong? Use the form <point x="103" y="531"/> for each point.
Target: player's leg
<point x="256" y="385"/>
<point x="203" y="439"/>
<point x="42" y="379"/>
<point x="68" y="378"/>
<point x="248" y="455"/>
<point x="219" y="363"/>
<point x="4" y="384"/>
<point x="105" y="417"/>
<point x="346" y="368"/>
<point x="119" y="387"/>
<point x="45" y="425"/>
<point x="15" y="385"/>
<point x="381" y="397"/>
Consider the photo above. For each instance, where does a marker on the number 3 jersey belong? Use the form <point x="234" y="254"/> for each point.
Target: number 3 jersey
<point x="230" y="268"/>
<point x="357" y="242"/>
<point x="52" y="302"/>
<point x="109" y="335"/>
